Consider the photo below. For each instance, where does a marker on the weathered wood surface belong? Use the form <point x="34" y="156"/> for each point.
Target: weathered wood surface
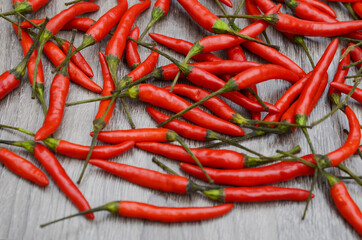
<point x="25" y="206"/>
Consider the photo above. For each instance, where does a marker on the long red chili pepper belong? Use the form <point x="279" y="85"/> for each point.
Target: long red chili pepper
<point x="26" y="43"/>
<point x="322" y="6"/>
<point x="117" y="44"/>
<point x="56" y="56"/>
<point x="22" y="167"/>
<point x="81" y="24"/>
<point x="57" y="23"/>
<point x="183" y="47"/>
<point x="357" y="94"/>
<point x="100" y="29"/>
<point x="344" y="203"/>
<point x="132" y="55"/>
<point x="257" y="194"/>
<point x="160" y="10"/>
<point x="58" y="94"/>
<point x="108" y="87"/>
<point x="156" y="213"/>
<point x="333" y="94"/>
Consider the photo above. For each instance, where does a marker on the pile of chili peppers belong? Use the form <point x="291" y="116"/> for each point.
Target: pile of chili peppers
<point x="215" y="83"/>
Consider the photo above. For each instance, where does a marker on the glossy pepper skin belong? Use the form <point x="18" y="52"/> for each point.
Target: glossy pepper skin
<point x="356" y="54"/>
<point x="357" y="8"/>
<point x="357" y="94"/>
<point x="61" y="178"/>
<point x="23" y="168"/>
<point x="132" y="55"/>
<point x="163" y="98"/>
<point x="145" y="177"/>
<point x="208" y="157"/>
<point x="28" y="6"/>
<point x="81" y="24"/>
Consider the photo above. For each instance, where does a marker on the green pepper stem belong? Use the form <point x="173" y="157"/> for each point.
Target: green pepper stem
<point x="350" y="49"/>
<point x="73" y="2"/>
<point x="126" y="110"/>
<point x="315" y="176"/>
<point x="352" y="64"/>
<point x="350" y="173"/>
<point x="299" y="40"/>
<point x="297" y="158"/>
<point x="163" y="166"/>
<point x="18" y="129"/>
<point x="256" y="96"/>
<point x="233" y="32"/>
<point x="348" y="6"/>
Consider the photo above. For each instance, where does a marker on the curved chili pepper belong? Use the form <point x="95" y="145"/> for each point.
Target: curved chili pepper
<point x="311" y="87"/>
<point x="26" y="43"/>
<point x="162" y="98"/>
<point x="322" y="6"/>
<point x="22" y="167"/>
<point x="182" y="128"/>
<point x="132" y="56"/>
<point x="183" y="47"/>
<point x="58" y="94"/>
<point x="81" y="24"/>
<point x="357" y="94"/>
<point x="274" y="56"/>
<point x="273" y="173"/>
<point x="27" y="6"/>
<point x="101" y="28"/>
<point x="344" y="203"/>
<point x="160" y="10"/>
<point x="108" y="87"/>
<point x="333" y="94"/>
<point x="356" y="54"/>
<point x="147" y="178"/>
<point x="77" y="58"/>
<point x="236" y="53"/>
<point x="357" y="8"/>
<point x="257" y="194"/>
<point x="117" y="43"/>
<point x="60" y="177"/>
<point x="56" y="56"/>
<point x="227" y="3"/>
<point x="215" y="105"/>
<point x="156" y="213"/>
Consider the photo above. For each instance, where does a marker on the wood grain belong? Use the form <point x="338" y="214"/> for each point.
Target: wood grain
<point x="25" y="206"/>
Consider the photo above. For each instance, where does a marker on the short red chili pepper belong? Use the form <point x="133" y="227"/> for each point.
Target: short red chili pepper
<point x="132" y="55"/>
<point x="312" y="85"/>
<point x="356" y="54"/>
<point x="156" y="213"/>
<point x="183" y="47"/>
<point x="357" y="8"/>
<point x="227" y="3"/>
<point x="117" y="43"/>
<point x="80" y="151"/>
<point x="162" y="98"/>
<point x="58" y="94"/>
<point x="322" y="6"/>
<point x="257" y="194"/>
<point x="108" y="87"/>
<point x="357" y="94"/>
<point x="101" y="28"/>
<point x="81" y="24"/>
<point x="182" y="128"/>
<point x="22" y="167"/>
<point x="344" y="203"/>
<point x="27" y="6"/>
<point x="333" y="94"/>
<point x="56" y="56"/>
<point x="160" y="10"/>
<point x="26" y="43"/>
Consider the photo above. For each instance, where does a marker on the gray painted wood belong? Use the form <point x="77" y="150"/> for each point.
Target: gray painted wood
<point x="24" y="206"/>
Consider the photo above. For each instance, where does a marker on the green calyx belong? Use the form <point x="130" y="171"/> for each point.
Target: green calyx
<point x="238" y="119"/>
<point x="220" y="27"/>
<point x="23" y="7"/>
<point x="215" y="194"/>
<point x="28" y="145"/>
<point x="197" y="48"/>
<point x="113" y="61"/>
<point x="99" y="124"/>
<point x="211" y="135"/>
<point x="301" y="119"/>
<point x="335" y="98"/>
<point x="291" y="4"/>
<point x="157" y="14"/>
<point x="112" y="207"/>
<point x="52" y="143"/>
<point x="332" y="180"/>
<point x="231" y="85"/>
<point x="171" y="136"/>
<point x="272" y="18"/>
<point x="133" y="92"/>
<point x="193" y="187"/>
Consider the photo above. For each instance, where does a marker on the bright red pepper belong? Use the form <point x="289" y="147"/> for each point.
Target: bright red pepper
<point x="357" y="8"/>
<point x="81" y="24"/>
<point x="28" y="6"/>
<point x="132" y="55"/>
<point x="357" y="94"/>
<point x="356" y="54"/>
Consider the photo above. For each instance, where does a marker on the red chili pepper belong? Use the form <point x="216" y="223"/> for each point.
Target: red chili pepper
<point x="357" y="94"/>
<point x="108" y="87"/>
<point x="183" y="47"/>
<point x="254" y="115"/>
<point x="344" y="203"/>
<point x="56" y="56"/>
<point x="60" y="177"/>
<point x="58" y="94"/>
<point x="162" y="98"/>
<point x="160" y="10"/>
<point x="273" y="56"/>
<point x="81" y="24"/>
<point x="79" y="151"/>
<point x="322" y="6"/>
<point x="26" y="43"/>
<point x="132" y="56"/>
<point x="236" y="53"/>
<point x="27" y="6"/>
<point x="77" y="59"/>
<point x="333" y="94"/>
<point x="227" y="3"/>
<point x="356" y="54"/>
<point x="145" y="177"/>
<point x="357" y="8"/>
<point x="117" y="43"/>
<point x="215" y="104"/>
<point x="22" y="167"/>
<point x="312" y="85"/>
<point x="257" y="194"/>
<point x="159" y="214"/>
<point x="182" y="128"/>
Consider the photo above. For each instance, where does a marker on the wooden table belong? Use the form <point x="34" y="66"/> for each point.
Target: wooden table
<point x="24" y="206"/>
